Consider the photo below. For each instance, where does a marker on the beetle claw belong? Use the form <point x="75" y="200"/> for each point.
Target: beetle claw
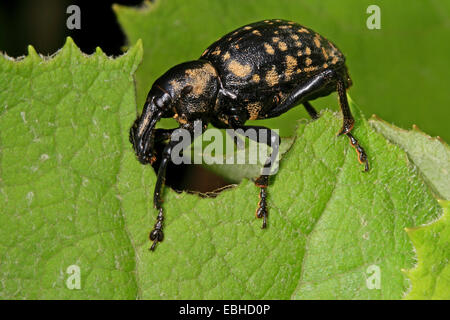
<point x="261" y="212"/>
<point x="156" y="235"/>
<point x="152" y="248"/>
<point x="366" y="166"/>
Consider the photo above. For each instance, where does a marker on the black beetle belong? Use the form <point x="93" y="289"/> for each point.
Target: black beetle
<point x="258" y="71"/>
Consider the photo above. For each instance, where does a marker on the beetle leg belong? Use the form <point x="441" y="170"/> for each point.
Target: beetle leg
<point x="272" y="139"/>
<point x="348" y="123"/>
<point x="362" y="157"/>
<point x="348" y="120"/>
<point x="311" y="111"/>
<point x="303" y="93"/>
<point x="160" y="137"/>
<point x="261" y="212"/>
<point x="157" y="235"/>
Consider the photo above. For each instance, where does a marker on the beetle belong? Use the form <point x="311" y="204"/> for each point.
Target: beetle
<point x="258" y="71"/>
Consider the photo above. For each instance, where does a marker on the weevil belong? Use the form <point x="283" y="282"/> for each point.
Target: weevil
<point x="258" y="71"/>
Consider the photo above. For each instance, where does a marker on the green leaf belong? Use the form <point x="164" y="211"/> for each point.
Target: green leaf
<point x="64" y="123"/>
<point x="430" y="155"/>
<point x="395" y="74"/>
<point x="73" y="193"/>
<point x="431" y="277"/>
<point x="329" y="222"/>
<point x="174" y="31"/>
<point x="237" y="172"/>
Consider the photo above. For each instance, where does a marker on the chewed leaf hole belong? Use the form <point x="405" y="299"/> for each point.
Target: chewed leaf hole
<point x="192" y="178"/>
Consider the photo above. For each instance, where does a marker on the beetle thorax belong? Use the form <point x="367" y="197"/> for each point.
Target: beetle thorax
<point x="193" y="87"/>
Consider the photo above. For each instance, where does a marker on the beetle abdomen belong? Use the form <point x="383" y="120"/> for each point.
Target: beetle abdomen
<point x="270" y="53"/>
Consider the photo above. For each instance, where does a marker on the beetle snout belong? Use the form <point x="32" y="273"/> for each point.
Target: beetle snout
<point x="142" y="143"/>
<point x="143" y="130"/>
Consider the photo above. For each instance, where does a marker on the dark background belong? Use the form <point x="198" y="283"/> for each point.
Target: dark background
<point x="42" y="24"/>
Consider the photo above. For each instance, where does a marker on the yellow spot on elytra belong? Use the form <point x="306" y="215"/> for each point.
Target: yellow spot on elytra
<point x="236" y="46"/>
<point x="291" y="64"/>
<point x="317" y="41"/>
<point x="290" y="22"/>
<point x="282" y="46"/>
<point x="297" y="44"/>
<point x="325" y="65"/>
<point x="307" y="51"/>
<point x="216" y="52"/>
<point x="276" y="32"/>
<point x="247" y="28"/>
<point x="324" y="53"/>
<point x="285" y="27"/>
<point x="275" y="39"/>
<point x="205" y="52"/>
<point x="299" y="53"/>
<point x="226" y="56"/>
<point x="272" y="77"/>
<point x="269" y="48"/>
<point x="255" y="78"/>
<point x="238" y="69"/>
<point x="298" y="70"/>
<point x="256" y="32"/>
<point x="295" y="37"/>
<point x="335" y="60"/>
<point x="308" y="61"/>
<point x="253" y="110"/>
<point x="309" y="69"/>
<point x="303" y="30"/>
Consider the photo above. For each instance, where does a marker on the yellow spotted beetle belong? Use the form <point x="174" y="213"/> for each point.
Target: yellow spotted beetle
<point x="258" y="71"/>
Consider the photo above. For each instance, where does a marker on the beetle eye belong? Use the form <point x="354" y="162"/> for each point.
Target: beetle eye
<point x="162" y="101"/>
<point x="159" y="102"/>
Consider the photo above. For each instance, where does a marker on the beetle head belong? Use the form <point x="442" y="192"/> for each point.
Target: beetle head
<point x="187" y="92"/>
<point x="142" y="131"/>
